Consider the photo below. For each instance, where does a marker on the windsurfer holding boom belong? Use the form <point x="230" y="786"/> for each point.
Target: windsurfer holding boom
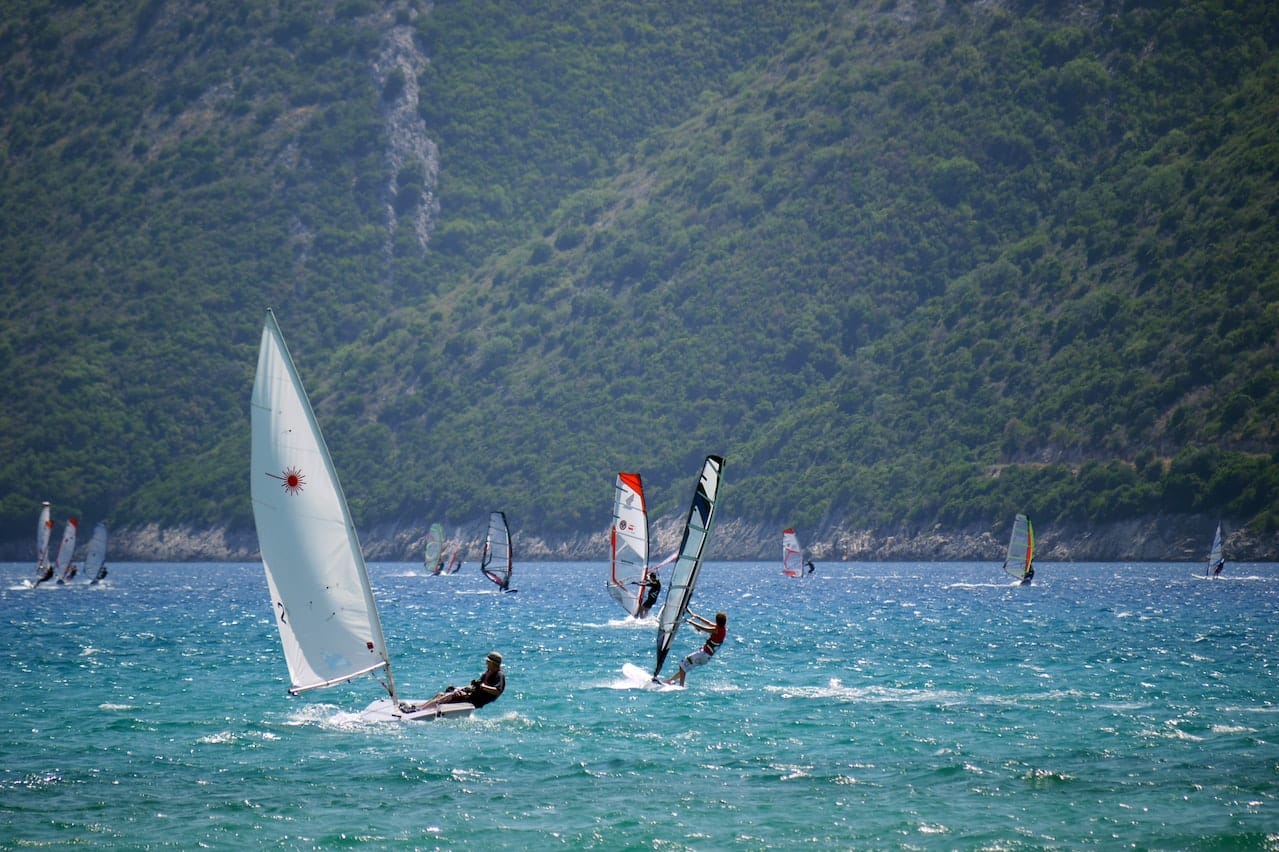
<point x="717" y="632"/>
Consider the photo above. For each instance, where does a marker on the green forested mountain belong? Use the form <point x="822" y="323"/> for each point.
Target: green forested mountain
<point x="905" y="264"/>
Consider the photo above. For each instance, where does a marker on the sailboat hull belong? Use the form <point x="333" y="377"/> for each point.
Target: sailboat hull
<point x="386" y="710"/>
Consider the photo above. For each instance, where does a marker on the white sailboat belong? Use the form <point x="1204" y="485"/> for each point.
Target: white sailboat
<point x="628" y="542"/>
<point x="95" y="560"/>
<point x="498" y="561"/>
<point x="44" y="531"/>
<point x="1019" y="561"/>
<point x="1215" y="560"/>
<point x="65" y="565"/>
<point x="315" y="571"/>
<point x="688" y="565"/>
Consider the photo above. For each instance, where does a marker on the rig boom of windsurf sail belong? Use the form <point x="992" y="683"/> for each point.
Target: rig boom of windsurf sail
<point x="683" y="580"/>
<point x="628" y="543"/>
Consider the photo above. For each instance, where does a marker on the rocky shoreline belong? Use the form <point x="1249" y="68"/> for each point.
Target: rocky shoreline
<point x="1182" y="538"/>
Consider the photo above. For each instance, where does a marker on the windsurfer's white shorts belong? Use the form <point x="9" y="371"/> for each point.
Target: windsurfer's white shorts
<point x="693" y="660"/>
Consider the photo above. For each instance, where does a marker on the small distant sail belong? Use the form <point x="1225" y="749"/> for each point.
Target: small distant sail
<point x="433" y="559"/>
<point x="629" y="543"/>
<point x="454" y="562"/>
<point x="497" y="563"/>
<point x="792" y="554"/>
<point x="697" y="530"/>
<point x="1215" y="560"/>
<point x="44" y="531"/>
<point x="66" y="551"/>
<point x="1021" y="550"/>
<point x="95" y="560"/>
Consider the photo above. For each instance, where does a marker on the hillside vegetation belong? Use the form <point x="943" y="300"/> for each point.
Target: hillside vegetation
<point x="904" y="264"/>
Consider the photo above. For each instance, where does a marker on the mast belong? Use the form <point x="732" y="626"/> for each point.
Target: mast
<point x="319" y="584"/>
<point x="688" y="565"/>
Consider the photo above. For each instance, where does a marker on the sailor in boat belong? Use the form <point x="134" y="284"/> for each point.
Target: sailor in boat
<point x="485" y="689"/>
<point x="716" y="634"/>
<point x="652" y="589"/>
<point x="1029" y="575"/>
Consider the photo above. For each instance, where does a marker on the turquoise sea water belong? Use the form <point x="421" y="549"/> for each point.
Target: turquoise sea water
<point x="915" y="706"/>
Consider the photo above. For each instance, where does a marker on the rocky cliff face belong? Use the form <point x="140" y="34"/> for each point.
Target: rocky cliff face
<point x="1182" y="538"/>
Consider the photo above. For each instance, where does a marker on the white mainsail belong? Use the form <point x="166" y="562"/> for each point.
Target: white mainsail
<point x="497" y="561"/>
<point x="95" y="560"/>
<point x="315" y="570"/>
<point x="44" y="531"/>
<point x="1214" y="553"/>
<point x="697" y="530"/>
<point x="629" y="543"/>
<point x="66" y="550"/>
<point x="1021" y="549"/>
<point x="792" y="554"/>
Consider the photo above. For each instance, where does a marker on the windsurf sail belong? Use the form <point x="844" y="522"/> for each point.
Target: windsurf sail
<point x="95" y="560"/>
<point x="65" y="564"/>
<point x="697" y="530"/>
<point x="792" y="554"/>
<point x="44" y="531"/>
<point x="315" y="571"/>
<point x="454" y="561"/>
<point x="434" y="557"/>
<point x="497" y="561"/>
<point x="1214" y="554"/>
<point x="629" y="543"/>
<point x="1021" y="549"/>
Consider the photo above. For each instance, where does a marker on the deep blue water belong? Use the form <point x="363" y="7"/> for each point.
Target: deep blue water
<point x="928" y="706"/>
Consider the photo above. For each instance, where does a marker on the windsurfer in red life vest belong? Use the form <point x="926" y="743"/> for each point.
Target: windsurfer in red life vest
<point x="717" y="632"/>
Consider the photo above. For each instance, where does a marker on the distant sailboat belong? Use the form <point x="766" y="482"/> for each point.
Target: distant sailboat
<point x="433" y="559"/>
<point x="1215" y="560"/>
<point x="792" y="554"/>
<point x="65" y="565"/>
<point x="44" y="531"/>
<point x="1020" y="560"/>
<point x="498" y="562"/>
<point x="454" y="562"/>
<point x="315" y="571"/>
<point x="628" y="542"/>
<point x="95" y="560"/>
<point x="688" y="565"/>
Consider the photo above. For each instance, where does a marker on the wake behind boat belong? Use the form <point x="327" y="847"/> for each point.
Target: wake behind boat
<point x="318" y="582"/>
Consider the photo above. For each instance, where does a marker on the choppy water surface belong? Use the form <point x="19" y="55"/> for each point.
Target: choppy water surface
<point x="872" y="706"/>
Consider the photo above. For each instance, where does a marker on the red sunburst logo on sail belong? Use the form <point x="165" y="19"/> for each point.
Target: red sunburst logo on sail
<point x="292" y="480"/>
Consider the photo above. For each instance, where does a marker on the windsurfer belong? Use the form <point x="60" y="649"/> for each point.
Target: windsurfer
<point x="1029" y="575"/>
<point x="485" y="689"/>
<point x="716" y="634"/>
<point x="652" y="588"/>
<point x="810" y="566"/>
<point x="1219" y="567"/>
<point x="47" y="575"/>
